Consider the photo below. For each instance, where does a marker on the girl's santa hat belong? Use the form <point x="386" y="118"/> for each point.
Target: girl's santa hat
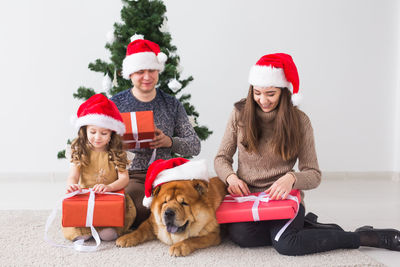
<point x="176" y="169"/>
<point x="276" y="70"/>
<point x="142" y="55"/>
<point x="98" y="110"/>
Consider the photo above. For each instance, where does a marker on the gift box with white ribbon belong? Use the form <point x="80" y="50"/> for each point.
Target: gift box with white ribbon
<point x="103" y="210"/>
<point x="139" y="129"/>
<point x="257" y="207"/>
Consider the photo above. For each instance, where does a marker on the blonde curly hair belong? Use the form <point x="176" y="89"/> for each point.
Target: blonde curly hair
<point x="80" y="148"/>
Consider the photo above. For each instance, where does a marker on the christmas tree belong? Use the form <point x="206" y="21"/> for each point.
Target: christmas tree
<point x="147" y="18"/>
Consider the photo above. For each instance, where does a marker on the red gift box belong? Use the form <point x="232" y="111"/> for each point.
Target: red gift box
<point x="257" y="207"/>
<point x="139" y="129"/>
<point x="109" y="210"/>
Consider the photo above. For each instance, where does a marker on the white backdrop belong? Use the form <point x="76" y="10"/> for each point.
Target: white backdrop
<point x="347" y="53"/>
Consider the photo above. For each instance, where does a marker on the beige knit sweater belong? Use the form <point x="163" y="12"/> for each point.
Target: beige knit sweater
<point x="260" y="170"/>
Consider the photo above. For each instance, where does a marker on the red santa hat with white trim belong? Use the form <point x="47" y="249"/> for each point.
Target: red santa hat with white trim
<point x="175" y="169"/>
<point x="98" y="110"/>
<point x="276" y="70"/>
<point x="142" y="55"/>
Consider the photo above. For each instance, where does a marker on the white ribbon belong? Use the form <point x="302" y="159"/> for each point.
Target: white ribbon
<point x="263" y="197"/>
<point x="78" y="244"/>
<point x="136" y="140"/>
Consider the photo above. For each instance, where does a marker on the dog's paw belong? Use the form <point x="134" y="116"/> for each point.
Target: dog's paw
<point x="179" y="249"/>
<point x="126" y="241"/>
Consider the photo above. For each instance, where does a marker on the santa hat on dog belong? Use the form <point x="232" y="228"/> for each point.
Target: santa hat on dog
<point x="176" y="169"/>
<point x="276" y="70"/>
<point x="98" y="110"/>
<point x="142" y="55"/>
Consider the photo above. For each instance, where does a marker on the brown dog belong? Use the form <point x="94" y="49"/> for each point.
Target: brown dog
<point x="182" y="215"/>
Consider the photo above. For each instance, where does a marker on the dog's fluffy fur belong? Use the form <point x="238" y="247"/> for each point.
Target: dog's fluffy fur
<point x="182" y="215"/>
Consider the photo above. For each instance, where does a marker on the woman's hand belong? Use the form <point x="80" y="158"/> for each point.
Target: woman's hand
<point x="282" y="187"/>
<point x="237" y="186"/>
<point x="73" y="187"/>
<point x="160" y="140"/>
<point x="101" y="188"/>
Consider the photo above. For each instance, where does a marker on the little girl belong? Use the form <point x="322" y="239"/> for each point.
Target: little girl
<point x="99" y="162"/>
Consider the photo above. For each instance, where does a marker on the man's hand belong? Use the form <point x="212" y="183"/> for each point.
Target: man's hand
<point x="160" y="140"/>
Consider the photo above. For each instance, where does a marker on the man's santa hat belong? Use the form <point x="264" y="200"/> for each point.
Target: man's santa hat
<point x="98" y="110"/>
<point x="142" y="55"/>
<point x="176" y="169"/>
<point x="277" y="70"/>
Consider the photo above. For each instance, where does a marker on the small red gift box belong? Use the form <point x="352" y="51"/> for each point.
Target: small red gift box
<point x="139" y="129"/>
<point x="257" y="207"/>
<point x="109" y="210"/>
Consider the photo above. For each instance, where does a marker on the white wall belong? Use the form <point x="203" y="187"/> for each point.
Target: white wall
<point x="396" y="158"/>
<point x="346" y="52"/>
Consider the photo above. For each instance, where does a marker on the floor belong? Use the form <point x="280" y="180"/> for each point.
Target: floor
<point x="349" y="200"/>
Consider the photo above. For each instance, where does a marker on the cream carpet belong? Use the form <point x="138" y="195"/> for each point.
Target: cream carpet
<point x="22" y="244"/>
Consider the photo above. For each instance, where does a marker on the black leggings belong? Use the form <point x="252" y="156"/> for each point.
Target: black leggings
<point x="295" y="240"/>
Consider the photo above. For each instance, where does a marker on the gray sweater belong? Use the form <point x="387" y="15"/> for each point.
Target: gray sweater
<point x="170" y="117"/>
<point x="260" y="170"/>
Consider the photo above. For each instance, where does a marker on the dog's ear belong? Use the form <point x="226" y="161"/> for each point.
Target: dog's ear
<point x="201" y="186"/>
<point x="156" y="190"/>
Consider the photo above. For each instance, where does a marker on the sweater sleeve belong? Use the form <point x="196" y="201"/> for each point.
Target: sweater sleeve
<point x="185" y="140"/>
<point x="224" y="159"/>
<point x="309" y="176"/>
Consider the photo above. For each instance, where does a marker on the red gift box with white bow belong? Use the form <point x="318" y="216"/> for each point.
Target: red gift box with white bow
<point x="139" y="129"/>
<point x="257" y="207"/>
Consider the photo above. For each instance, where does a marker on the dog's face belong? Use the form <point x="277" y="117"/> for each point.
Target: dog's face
<point x="177" y="205"/>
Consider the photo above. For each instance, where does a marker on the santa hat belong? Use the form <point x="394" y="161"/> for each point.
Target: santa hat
<point x="176" y="169"/>
<point x="276" y="70"/>
<point x="98" y="110"/>
<point x="142" y="55"/>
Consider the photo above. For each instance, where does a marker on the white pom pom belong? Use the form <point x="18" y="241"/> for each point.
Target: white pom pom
<point x="174" y="85"/>
<point x="137" y="37"/>
<point x="110" y="37"/>
<point x="147" y="201"/>
<point x="296" y="99"/>
<point x="107" y="83"/>
<point x="162" y="58"/>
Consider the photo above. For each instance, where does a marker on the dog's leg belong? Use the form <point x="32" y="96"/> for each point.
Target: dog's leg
<point x="189" y="245"/>
<point x="142" y="234"/>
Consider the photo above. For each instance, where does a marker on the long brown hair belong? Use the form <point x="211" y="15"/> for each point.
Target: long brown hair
<point x="287" y="133"/>
<point x="81" y="147"/>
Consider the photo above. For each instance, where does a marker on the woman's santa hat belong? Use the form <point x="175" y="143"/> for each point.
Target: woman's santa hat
<point x="176" y="169"/>
<point x="276" y="70"/>
<point x="98" y="110"/>
<point x="142" y="55"/>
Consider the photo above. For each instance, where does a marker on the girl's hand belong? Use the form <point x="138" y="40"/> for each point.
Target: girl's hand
<point x="101" y="188"/>
<point x="160" y="140"/>
<point x="73" y="187"/>
<point x="237" y="186"/>
<point x="282" y="187"/>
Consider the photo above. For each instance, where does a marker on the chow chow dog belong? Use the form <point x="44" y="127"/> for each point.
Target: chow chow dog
<point x="182" y="215"/>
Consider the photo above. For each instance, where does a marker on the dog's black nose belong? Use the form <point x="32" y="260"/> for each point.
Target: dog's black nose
<point x="169" y="214"/>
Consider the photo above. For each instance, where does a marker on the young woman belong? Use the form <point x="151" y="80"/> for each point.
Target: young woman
<point x="99" y="162"/>
<point x="271" y="134"/>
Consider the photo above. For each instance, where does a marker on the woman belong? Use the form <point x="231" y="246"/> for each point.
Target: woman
<point x="173" y="133"/>
<point x="271" y="134"/>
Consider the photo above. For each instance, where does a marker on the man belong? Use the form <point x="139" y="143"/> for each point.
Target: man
<point x="173" y="133"/>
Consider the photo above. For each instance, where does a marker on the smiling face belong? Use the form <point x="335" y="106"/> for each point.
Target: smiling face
<point x="144" y="80"/>
<point x="98" y="137"/>
<point x="267" y="98"/>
